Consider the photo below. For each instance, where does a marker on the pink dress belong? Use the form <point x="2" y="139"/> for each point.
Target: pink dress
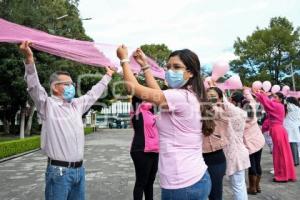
<point x="284" y="169"/>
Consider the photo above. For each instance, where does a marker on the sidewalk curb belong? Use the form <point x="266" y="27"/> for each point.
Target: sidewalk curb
<point x="18" y="155"/>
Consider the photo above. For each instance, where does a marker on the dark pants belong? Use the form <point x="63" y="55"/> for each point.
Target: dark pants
<point x="255" y="168"/>
<point x="216" y="173"/>
<point x="146" y="165"/>
<point x="294" y="148"/>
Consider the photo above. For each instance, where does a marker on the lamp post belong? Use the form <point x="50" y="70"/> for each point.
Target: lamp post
<point x="292" y="74"/>
<point x="293" y="77"/>
<point x="89" y="18"/>
<point x="61" y="17"/>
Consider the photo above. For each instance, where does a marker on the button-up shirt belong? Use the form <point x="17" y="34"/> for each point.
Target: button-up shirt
<point x="62" y="136"/>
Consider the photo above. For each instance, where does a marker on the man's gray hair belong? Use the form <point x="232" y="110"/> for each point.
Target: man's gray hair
<point x="54" y="76"/>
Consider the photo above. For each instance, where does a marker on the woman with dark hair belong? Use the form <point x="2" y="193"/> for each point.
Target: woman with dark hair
<point x="292" y="125"/>
<point x="253" y="139"/>
<point x="145" y="161"/>
<point x="224" y="150"/>
<point x="284" y="169"/>
<point x="213" y="145"/>
<point x="181" y="125"/>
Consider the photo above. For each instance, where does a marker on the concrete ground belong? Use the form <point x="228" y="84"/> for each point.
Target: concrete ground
<point x="110" y="173"/>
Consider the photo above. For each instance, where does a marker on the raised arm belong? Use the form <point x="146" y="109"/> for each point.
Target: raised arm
<point x="268" y="104"/>
<point x="86" y="101"/>
<point x="35" y="89"/>
<point x="141" y="59"/>
<point x="155" y="96"/>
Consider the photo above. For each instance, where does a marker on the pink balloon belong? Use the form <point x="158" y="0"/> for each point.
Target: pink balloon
<point x="266" y="86"/>
<point x="206" y="80"/>
<point x="220" y="68"/>
<point x="275" y="88"/>
<point x="234" y="82"/>
<point x="285" y="88"/>
<point x="256" y="85"/>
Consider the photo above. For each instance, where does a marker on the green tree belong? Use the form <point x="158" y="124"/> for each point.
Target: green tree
<point x="266" y="53"/>
<point x="159" y="52"/>
<point x="42" y="15"/>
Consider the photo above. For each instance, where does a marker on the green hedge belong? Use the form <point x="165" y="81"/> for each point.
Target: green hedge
<point x="18" y="146"/>
<point x="88" y="130"/>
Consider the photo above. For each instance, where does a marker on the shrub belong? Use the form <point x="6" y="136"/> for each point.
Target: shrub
<point x="13" y="147"/>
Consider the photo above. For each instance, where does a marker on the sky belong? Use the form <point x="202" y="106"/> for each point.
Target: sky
<point x="207" y="27"/>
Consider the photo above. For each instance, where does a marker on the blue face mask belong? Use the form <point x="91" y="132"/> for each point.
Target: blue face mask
<point x="175" y="78"/>
<point x="69" y="93"/>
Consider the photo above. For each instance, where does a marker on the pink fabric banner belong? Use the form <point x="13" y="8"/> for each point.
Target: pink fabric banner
<point x="90" y="53"/>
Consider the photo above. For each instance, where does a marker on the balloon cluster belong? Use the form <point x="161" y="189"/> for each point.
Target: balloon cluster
<point x="267" y="86"/>
<point x="220" y="68"/>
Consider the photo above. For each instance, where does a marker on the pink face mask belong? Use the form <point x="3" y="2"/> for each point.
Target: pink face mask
<point x="146" y="106"/>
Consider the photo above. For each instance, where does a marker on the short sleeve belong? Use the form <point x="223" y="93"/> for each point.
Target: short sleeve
<point x="176" y="99"/>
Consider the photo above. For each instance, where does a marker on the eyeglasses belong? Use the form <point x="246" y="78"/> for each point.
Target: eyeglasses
<point x="65" y="83"/>
<point x="174" y="67"/>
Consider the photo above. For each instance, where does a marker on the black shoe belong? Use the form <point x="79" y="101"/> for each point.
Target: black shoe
<point x="276" y="181"/>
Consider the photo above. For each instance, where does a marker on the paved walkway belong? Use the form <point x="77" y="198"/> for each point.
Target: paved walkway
<point x="110" y="173"/>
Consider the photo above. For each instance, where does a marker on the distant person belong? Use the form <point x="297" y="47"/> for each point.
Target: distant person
<point x="253" y="140"/>
<point x="283" y="163"/>
<point x="62" y="137"/>
<point x="292" y="125"/>
<point x="144" y="148"/>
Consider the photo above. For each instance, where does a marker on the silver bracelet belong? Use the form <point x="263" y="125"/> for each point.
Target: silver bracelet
<point x="125" y="60"/>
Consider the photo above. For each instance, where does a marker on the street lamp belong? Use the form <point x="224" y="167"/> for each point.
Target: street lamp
<point x="89" y="18"/>
<point x="293" y="77"/>
<point x="292" y="74"/>
<point x="61" y="17"/>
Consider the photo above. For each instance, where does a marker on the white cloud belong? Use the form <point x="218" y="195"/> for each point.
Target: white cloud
<point x="205" y="26"/>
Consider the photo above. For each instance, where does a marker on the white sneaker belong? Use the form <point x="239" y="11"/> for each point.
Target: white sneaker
<point x="272" y="171"/>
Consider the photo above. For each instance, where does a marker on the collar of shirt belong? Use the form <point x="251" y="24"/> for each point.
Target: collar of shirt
<point x="59" y="100"/>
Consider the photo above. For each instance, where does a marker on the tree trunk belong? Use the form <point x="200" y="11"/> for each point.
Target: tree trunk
<point x="22" y="122"/>
<point x="6" y="125"/>
<point x="29" y="121"/>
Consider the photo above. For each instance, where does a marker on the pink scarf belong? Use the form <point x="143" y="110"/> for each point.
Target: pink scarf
<point x="90" y="53"/>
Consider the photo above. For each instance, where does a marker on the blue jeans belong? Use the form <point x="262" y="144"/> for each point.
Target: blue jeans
<point x="65" y="183"/>
<point x="198" y="191"/>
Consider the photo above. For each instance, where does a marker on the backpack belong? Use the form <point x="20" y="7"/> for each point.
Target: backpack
<point x="150" y="128"/>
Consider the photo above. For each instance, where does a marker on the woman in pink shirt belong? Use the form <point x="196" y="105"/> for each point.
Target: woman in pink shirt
<point x="253" y="138"/>
<point x="232" y="120"/>
<point x="182" y="170"/>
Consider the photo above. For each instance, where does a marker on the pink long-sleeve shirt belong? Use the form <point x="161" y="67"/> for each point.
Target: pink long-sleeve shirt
<point x="237" y="155"/>
<point x="62" y="136"/>
<point x="275" y="110"/>
<point x="253" y="137"/>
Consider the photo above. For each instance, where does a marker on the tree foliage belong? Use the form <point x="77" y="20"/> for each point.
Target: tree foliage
<point x="159" y="52"/>
<point x="267" y="53"/>
<point x="42" y="15"/>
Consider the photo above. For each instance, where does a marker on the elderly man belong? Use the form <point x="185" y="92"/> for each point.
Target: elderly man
<point x="62" y="138"/>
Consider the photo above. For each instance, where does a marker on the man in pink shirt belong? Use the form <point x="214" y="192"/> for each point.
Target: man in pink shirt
<point x="62" y="137"/>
